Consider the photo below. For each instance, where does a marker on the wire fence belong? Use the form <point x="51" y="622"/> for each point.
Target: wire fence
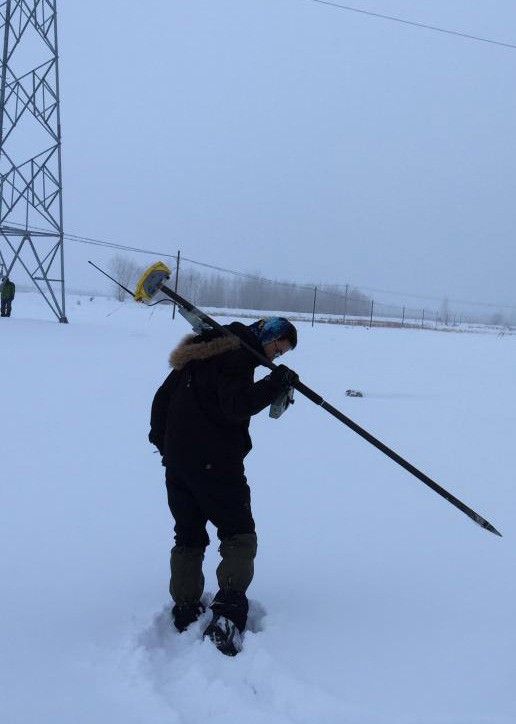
<point x="347" y="304"/>
<point x="218" y="287"/>
<point x="214" y="287"/>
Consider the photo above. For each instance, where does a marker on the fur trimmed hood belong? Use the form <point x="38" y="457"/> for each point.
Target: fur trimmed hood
<point x="188" y="349"/>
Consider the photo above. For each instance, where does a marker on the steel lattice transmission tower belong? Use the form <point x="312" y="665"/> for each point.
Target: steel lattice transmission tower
<point x="31" y="204"/>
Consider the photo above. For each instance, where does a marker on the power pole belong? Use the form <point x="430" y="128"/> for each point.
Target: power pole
<point x="31" y="203"/>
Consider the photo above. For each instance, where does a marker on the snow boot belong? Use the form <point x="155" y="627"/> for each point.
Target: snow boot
<point x="225" y="635"/>
<point x="230" y="610"/>
<point x="185" y="614"/>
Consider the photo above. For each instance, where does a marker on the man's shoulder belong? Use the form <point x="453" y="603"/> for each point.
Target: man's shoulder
<point x="246" y="335"/>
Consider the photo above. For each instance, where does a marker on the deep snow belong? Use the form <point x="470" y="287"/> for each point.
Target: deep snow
<point x="374" y="600"/>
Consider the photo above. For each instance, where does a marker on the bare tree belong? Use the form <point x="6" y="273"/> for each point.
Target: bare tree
<point x="127" y="272"/>
<point x="498" y="320"/>
<point x="445" y="311"/>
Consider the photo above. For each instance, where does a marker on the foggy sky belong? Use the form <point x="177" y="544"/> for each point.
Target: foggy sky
<point x="296" y="140"/>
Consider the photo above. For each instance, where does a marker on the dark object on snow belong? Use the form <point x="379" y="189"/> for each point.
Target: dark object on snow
<point x="354" y="393"/>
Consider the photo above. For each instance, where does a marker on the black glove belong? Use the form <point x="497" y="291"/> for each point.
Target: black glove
<point x="282" y="377"/>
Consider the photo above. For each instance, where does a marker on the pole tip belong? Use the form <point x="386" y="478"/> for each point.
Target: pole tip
<point x="492" y="529"/>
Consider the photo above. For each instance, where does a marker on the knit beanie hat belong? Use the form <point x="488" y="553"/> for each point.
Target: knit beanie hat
<point x="271" y="328"/>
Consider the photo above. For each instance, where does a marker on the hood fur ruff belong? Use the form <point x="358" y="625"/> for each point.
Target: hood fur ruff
<point x="186" y="351"/>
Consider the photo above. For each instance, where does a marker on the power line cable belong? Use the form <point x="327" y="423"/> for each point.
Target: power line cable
<point x="309" y="287"/>
<point x="98" y="242"/>
<point x="113" y="245"/>
<point x="264" y="280"/>
<point x="246" y="275"/>
<point x="432" y="299"/>
<point x="413" y="23"/>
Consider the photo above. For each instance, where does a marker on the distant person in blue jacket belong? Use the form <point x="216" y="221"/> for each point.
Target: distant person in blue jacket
<point x="8" y="292"/>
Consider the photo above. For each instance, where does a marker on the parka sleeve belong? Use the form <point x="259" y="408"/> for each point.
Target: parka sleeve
<point x="239" y="396"/>
<point x="159" y="412"/>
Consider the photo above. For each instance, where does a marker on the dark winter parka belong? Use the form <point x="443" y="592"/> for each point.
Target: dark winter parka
<point x="8" y="290"/>
<point x="200" y="415"/>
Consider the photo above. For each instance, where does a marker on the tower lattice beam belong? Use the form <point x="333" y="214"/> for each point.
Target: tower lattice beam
<point x="31" y="202"/>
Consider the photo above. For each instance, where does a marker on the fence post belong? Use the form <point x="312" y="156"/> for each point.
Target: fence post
<point x="371" y="320"/>
<point x="423" y="319"/>
<point x="313" y="311"/>
<point x="177" y="280"/>
<point x="403" y="317"/>
<point x="345" y="303"/>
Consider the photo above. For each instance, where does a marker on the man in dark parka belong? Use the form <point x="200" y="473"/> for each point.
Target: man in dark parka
<point x="7" y="295"/>
<point x="200" y="424"/>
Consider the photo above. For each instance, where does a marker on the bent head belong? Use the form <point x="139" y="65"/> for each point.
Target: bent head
<point x="276" y="348"/>
<point x="276" y="334"/>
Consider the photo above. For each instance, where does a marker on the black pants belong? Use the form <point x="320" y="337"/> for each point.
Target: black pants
<point x="219" y="496"/>
<point x="6" y="307"/>
<point x="224" y="499"/>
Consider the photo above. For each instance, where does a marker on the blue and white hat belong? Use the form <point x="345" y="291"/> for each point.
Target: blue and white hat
<point x="271" y="328"/>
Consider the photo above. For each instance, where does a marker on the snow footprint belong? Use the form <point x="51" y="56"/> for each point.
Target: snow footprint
<point x="199" y="684"/>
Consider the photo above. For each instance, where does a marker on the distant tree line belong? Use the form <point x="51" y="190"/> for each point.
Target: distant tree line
<point x="245" y="291"/>
<point x="241" y="292"/>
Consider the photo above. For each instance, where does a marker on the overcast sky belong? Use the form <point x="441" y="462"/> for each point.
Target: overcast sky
<point x="294" y="139"/>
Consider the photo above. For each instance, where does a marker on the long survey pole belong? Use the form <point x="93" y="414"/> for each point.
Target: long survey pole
<point x="318" y="400"/>
<point x="177" y="280"/>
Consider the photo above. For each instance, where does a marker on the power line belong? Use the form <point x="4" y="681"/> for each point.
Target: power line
<point x="240" y="274"/>
<point x="265" y="280"/>
<point x="246" y="275"/>
<point x="354" y="288"/>
<point x="429" y="298"/>
<point x="413" y="23"/>
<point x="96" y="242"/>
<point x="113" y="245"/>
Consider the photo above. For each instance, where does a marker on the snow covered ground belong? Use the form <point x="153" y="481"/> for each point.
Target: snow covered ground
<point x="374" y="601"/>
